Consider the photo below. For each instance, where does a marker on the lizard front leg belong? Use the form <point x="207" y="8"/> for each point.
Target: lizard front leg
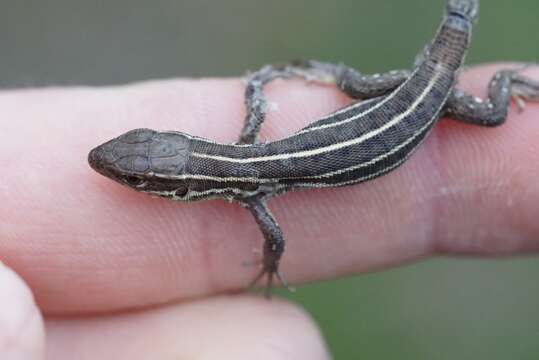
<point x="348" y="80"/>
<point x="273" y="244"/>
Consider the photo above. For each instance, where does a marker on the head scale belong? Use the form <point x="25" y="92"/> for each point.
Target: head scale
<point x="137" y="156"/>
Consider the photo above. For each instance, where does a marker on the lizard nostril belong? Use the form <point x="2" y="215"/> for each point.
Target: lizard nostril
<point x="95" y="158"/>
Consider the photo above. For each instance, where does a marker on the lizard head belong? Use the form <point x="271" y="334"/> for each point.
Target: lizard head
<point x="141" y="155"/>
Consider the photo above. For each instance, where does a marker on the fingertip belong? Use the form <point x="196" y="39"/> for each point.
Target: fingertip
<point x="226" y="327"/>
<point x="21" y="325"/>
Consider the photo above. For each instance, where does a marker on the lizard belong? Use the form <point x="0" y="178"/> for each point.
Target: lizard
<point x="393" y="114"/>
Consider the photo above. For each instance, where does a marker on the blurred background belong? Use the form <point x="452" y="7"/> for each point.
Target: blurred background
<point x="439" y="309"/>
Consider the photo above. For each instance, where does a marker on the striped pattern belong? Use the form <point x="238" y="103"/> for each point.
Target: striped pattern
<point x="354" y="144"/>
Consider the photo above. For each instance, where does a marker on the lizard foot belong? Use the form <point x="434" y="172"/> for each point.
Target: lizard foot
<point x="270" y="270"/>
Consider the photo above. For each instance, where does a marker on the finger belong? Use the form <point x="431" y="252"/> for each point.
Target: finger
<point x="87" y="244"/>
<point x="240" y="327"/>
<point x="21" y="326"/>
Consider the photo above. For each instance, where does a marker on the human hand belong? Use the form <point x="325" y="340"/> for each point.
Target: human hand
<point x="86" y="246"/>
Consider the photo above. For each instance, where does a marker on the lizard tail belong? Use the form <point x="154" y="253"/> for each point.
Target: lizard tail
<point x="467" y="9"/>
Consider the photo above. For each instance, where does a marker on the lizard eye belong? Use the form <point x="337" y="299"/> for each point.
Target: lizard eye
<point x="134" y="181"/>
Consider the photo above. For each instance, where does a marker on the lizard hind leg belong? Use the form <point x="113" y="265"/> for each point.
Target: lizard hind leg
<point x="492" y="111"/>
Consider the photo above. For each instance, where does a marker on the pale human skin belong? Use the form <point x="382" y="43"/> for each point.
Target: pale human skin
<point x="158" y="272"/>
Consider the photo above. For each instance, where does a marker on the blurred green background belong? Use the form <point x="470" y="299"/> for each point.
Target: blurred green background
<point x="439" y="309"/>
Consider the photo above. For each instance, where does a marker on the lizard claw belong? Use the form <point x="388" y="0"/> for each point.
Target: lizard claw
<point x="270" y="272"/>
